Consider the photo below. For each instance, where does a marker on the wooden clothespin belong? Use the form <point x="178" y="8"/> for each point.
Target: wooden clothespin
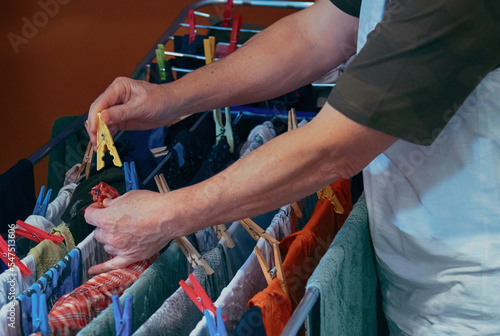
<point x="224" y="129"/>
<point x="257" y="232"/>
<point x="160" y="59"/>
<point x="220" y="230"/>
<point x="198" y="295"/>
<point x="192" y="255"/>
<point x="105" y="140"/>
<point x="87" y="161"/>
<point x="192" y="26"/>
<point x="292" y="125"/>
<point x="327" y="192"/>
<point x="160" y="151"/>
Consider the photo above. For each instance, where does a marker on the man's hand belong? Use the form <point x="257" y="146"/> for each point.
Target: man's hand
<point x="130" y="227"/>
<point x="133" y="105"/>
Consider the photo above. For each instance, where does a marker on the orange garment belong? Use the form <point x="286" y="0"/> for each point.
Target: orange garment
<point x="302" y="252"/>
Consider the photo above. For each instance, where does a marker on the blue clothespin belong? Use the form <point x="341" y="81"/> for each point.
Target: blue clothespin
<point x="41" y="203"/>
<point x="123" y="318"/>
<point x="40" y="317"/>
<point x="215" y="329"/>
<point x="131" y="181"/>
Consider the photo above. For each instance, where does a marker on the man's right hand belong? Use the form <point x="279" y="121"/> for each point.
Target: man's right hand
<point x="132" y="105"/>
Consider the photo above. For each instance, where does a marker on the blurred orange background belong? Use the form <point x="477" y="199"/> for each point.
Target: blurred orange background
<point x="60" y="67"/>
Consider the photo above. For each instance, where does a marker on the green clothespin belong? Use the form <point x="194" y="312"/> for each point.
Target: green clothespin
<point x="160" y="58"/>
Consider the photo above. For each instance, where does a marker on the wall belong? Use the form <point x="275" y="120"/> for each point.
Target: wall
<point x="58" y="68"/>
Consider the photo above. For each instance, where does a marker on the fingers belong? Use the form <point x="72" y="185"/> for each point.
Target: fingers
<point x="113" y="264"/>
<point x="92" y="214"/>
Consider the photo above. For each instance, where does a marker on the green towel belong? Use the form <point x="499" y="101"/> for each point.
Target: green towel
<point x="347" y="279"/>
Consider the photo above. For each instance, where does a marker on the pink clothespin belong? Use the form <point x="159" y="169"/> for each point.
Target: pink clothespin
<point x="10" y="258"/>
<point x="192" y="26"/>
<point x="36" y="234"/>
<point x="198" y="295"/>
<point x="102" y="191"/>
<point x="234" y="34"/>
<point x="228" y="13"/>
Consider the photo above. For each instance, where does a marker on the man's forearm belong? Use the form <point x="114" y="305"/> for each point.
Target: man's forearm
<point x="293" y="52"/>
<point x="282" y="171"/>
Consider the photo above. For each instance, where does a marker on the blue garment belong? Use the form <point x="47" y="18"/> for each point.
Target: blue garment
<point x="251" y="324"/>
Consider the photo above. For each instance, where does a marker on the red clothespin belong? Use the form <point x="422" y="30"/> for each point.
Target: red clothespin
<point x="192" y="26"/>
<point x="10" y="258"/>
<point x="36" y="234"/>
<point x="102" y="191"/>
<point x="228" y="13"/>
<point x="198" y="295"/>
<point x="234" y="34"/>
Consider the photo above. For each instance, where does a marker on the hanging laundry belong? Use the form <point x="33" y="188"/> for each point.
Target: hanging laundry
<point x="92" y="253"/>
<point x="249" y="279"/>
<point x="75" y="310"/>
<point x="18" y="194"/>
<point x="302" y="252"/>
<point x="13" y="283"/>
<point x="347" y="279"/>
<point x="251" y="324"/>
<point x="257" y="137"/>
<point x="10" y="319"/>
<point x="178" y="315"/>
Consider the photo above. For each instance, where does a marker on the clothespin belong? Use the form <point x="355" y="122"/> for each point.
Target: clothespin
<point x="215" y="328"/>
<point x="40" y="317"/>
<point x="257" y="232"/>
<point x="87" y="161"/>
<point x="102" y="191"/>
<point x="192" y="26"/>
<point x="209" y="48"/>
<point x="148" y="73"/>
<point x="105" y="140"/>
<point x="160" y="58"/>
<point x="228" y="13"/>
<point x="160" y="151"/>
<point x="224" y="130"/>
<point x="42" y="203"/>
<point x="123" y="318"/>
<point x="198" y="295"/>
<point x="36" y="234"/>
<point x="233" y="40"/>
<point x="292" y="125"/>
<point x="327" y="192"/>
<point x="192" y="255"/>
<point x="131" y="181"/>
<point x="220" y="230"/>
<point x="10" y="258"/>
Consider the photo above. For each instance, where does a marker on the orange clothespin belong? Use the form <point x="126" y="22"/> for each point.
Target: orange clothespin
<point x="198" y="295"/>
<point x="10" y="258"/>
<point x="228" y="13"/>
<point x="193" y="256"/>
<point x="257" y="232"/>
<point x="36" y="234"/>
<point x="105" y="141"/>
<point x="327" y="192"/>
<point x="233" y="41"/>
<point x="192" y="26"/>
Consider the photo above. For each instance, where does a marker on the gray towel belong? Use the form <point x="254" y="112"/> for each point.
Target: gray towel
<point x="347" y="279"/>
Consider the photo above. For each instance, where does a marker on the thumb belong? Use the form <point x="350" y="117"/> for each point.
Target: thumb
<point x="110" y="265"/>
<point x="115" y="115"/>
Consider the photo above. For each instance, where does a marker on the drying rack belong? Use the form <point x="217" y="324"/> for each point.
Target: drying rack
<point x="148" y="58"/>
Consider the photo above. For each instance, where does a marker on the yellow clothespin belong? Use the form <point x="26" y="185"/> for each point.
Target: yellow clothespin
<point x="209" y="48"/>
<point x="292" y="125"/>
<point x="105" y="140"/>
<point x="193" y="256"/>
<point x="220" y="230"/>
<point x="257" y="232"/>
<point x="87" y="161"/>
<point x="327" y="192"/>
